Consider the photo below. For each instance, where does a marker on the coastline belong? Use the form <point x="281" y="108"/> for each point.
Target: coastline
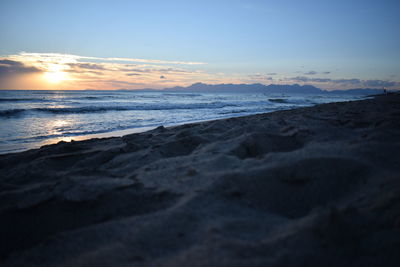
<point x="304" y="186"/>
<point x="45" y="118"/>
<point x="54" y="141"/>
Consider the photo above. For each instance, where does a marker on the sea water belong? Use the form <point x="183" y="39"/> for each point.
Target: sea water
<point x="30" y="119"/>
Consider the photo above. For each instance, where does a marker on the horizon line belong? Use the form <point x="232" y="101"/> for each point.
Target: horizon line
<point x="234" y="84"/>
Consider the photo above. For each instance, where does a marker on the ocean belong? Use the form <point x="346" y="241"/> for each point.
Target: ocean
<point x="30" y="119"/>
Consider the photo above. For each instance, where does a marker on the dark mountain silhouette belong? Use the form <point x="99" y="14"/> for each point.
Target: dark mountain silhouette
<point x="261" y="88"/>
<point x="272" y="88"/>
<point x="246" y="88"/>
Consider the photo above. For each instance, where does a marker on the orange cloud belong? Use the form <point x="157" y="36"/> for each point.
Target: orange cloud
<point x="65" y="71"/>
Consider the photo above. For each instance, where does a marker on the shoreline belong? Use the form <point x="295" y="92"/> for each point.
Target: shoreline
<point x="44" y="123"/>
<point x="54" y="141"/>
<point x="10" y="149"/>
<point x="308" y="186"/>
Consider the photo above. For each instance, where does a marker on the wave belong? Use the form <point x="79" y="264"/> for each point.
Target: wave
<point x="96" y="109"/>
<point x="92" y="97"/>
<point x="5" y="99"/>
<point x="23" y="100"/>
<point x="278" y="100"/>
<point x="11" y="112"/>
<point x="182" y="94"/>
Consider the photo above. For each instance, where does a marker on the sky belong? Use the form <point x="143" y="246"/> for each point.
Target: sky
<point x="47" y="44"/>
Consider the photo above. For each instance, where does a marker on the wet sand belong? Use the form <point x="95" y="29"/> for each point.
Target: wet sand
<point x="316" y="186"/>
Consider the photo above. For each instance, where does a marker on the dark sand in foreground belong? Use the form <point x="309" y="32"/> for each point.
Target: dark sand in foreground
<point x="316" y="186"/>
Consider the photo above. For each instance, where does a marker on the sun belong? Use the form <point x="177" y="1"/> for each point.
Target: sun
<point x="55" y="76"/>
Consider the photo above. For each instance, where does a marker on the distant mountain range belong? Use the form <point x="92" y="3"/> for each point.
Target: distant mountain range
<point x="261" y="88"/>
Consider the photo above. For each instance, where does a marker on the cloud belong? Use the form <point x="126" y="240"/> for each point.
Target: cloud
<point x="149" y="61"/>
<point x="81" y="73"/>
<point x="74" y="58"/>
<point x="138" y="70"/>
<point x="85" y="68"/>
<point x="306" y="79"/>
<point x="172" y="70"/>
<point x="155" y="70"/>
<point x="354" y="82"/>
<point x="380" y="83"/>
<point x="115" y="82"/>
<point x="89" y="66"/>
<point x="11" y="67"/>
<point x="122" y="82"/>
<point x="115" y="73"/>
<point x="10" y="62"/>
<point x="100" y="71"/>
<point x="311" y="72"/>
<point x="260" y="77"/>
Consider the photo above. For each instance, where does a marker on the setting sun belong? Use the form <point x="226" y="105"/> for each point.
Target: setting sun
<point x="55" y="77"/>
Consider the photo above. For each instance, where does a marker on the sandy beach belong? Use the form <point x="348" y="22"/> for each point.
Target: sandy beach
<point x="315" y="186"/>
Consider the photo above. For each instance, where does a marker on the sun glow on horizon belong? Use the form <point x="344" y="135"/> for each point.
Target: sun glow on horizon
<point x="72" y="72"/>
<point x="55" y="76"/>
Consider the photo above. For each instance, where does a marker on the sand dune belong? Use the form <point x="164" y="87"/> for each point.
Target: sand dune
<point x="316" y="186"/>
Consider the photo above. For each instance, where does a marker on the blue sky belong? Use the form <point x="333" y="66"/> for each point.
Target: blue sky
<point x="237" y="40"/>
